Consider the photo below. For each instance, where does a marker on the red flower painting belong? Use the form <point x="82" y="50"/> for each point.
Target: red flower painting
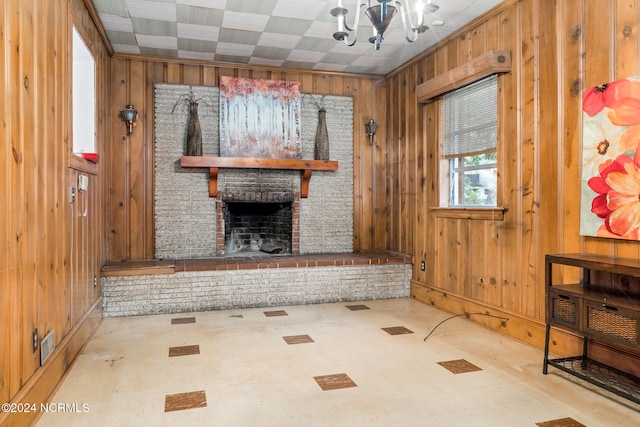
<point x="610" y="204"/>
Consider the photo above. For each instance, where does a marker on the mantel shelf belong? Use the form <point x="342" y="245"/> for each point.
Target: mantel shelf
<point x="214" y="163"/>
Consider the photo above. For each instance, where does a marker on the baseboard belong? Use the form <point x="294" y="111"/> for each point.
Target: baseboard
<point x="527" y="330"/>
<point x="45" y="381"/>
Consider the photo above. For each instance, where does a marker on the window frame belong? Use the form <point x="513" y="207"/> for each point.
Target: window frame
<point x="445" y="208"/>
<point x="75" y="159"/>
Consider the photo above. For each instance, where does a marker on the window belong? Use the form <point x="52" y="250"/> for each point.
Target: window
<point x="468" y="136"/>
<point x="84" y="96"/>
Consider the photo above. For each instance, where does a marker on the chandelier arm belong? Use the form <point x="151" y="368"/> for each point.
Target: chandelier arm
<point x="407" y="31"/>
<point x="356" y="20"/>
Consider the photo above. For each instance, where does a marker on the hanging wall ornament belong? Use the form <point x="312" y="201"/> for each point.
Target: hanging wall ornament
<point x="194" y="132"/>
<point x="321" y="148"/>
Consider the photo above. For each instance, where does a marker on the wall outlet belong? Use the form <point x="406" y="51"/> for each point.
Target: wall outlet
<point x="35" y="339"/>
<point x="423" y="266"/>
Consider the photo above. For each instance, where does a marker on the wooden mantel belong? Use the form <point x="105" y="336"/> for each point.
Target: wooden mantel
<point x="214" y="163"/>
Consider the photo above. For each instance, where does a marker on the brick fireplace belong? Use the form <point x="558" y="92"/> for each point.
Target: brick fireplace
<point x="191" y="224"/>
<point x="251" y="223"/>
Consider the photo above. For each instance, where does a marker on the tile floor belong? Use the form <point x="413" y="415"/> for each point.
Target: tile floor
<point x="342" y="364"/>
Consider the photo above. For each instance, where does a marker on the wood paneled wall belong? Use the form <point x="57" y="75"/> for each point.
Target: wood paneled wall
<point x="130" y="206"/>
<point x="50" y="253"/>
<point x="558" y="48"/>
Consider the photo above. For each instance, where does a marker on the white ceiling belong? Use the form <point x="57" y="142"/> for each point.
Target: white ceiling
<point x="277" y="33"/>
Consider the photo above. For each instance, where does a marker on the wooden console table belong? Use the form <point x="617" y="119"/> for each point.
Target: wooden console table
<point x="215" y="163"/>
<point x="603" y="307"/>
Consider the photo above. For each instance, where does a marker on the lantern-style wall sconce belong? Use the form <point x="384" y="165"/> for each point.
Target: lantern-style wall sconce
<point x="371" y="127"/>
<point x="129" y="116"/>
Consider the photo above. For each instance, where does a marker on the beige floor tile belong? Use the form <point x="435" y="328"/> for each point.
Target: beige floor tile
<point x="251" y="376"/>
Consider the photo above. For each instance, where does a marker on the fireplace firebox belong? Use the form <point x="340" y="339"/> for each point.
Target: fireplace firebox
<point x="257" y="224"/>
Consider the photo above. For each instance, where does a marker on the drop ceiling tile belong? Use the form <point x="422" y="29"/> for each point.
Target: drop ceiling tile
<point x="244" y="21"/>
<point x="285" y="41"/>
<point x="203" y="56"/>
<point x="261" y="7"/>
<point x="369" y="61"/>
<point x="267" y="62"/>
<point x="308" y="9"/>
<point x="113" y="7"/>
<point x="321" y="30"/>
<point x="361" y="47"/>
<point x="162" y="53"/>
<point x="232" y="59"/>
<point x="234" y="49"/>
<point x="321" y="66"/>
<point x="199" y="16"/>
<point x="265" y="52"/>
<point x="198" y="32"/>
<point x="214" y="4"/>
<point x="126" y="48"/>
<point x="121" y="38"/>
<point x="152" y="27"/>
<point x="305" y="56"/>
<point x="196" y="45"/>
<point x="238" y="36"/>
<point x="152" y="10"/>
<point x="339" y="58"/>
<point x="157" y="42"/>
<point x="116" y="23"/>
<point x="315" y="44"/>
<point x="287" y="26"/>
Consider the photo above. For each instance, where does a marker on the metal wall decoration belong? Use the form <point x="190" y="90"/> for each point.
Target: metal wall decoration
<point x="610" y="199"/>
<point x="321" y="146"/>
<point x="193" y="131"/>
<point x="259" y="118"/>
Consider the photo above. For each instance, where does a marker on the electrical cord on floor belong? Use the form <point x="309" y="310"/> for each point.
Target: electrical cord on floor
<point x="467" y="315"/>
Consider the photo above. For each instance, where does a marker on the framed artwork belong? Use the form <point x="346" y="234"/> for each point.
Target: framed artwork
<point x="259" y="118"/>
<point x="610" y="187"/>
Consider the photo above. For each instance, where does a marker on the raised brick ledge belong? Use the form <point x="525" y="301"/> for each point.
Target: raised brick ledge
<point x="171" y="266"/>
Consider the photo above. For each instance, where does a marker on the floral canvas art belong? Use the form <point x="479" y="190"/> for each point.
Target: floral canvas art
<point x="259" y="118"/>
<point x="610" y="193"/>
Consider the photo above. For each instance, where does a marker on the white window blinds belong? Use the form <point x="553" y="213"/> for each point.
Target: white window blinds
<point x="469" y="119"/>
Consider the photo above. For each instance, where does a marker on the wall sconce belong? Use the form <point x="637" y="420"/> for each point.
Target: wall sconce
<point x="129" y="116"/>
<point x="371" y="127"/>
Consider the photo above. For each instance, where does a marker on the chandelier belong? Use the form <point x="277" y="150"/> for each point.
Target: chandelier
<point x="380" y="15"/>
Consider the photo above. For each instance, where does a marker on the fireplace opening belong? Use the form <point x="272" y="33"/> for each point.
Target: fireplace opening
<point x="258" y="227"/>
<point x="258" y="224"/>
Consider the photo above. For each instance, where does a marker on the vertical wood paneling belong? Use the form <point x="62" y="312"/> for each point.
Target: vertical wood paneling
<point x="626" y="64"/>
<point x="558" y="48"/>
<point x="49" y="257"/>
<point x="571" y="37"/>
<point x="509" y="154"/>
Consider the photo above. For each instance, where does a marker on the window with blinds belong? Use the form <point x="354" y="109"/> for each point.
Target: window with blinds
<point x="468" y="135"/>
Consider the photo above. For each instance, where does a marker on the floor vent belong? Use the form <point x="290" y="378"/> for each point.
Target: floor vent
<point x="47" y="345"/>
